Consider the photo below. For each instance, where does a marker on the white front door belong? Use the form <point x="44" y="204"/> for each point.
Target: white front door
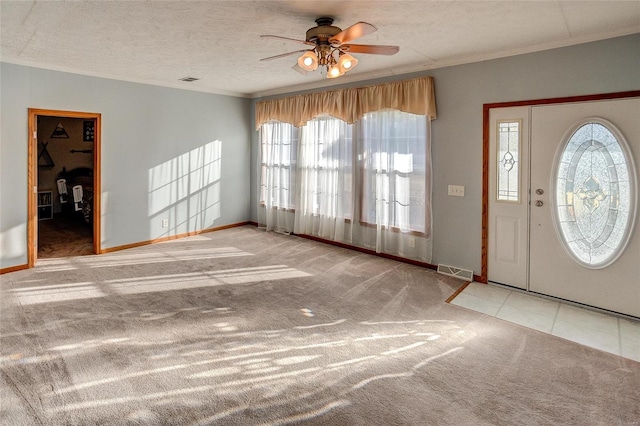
<point x="569" y="232"/>
<point x="583" y="245"/>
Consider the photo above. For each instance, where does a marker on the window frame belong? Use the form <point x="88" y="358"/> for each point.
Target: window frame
<point x="518" y="161"/>
<point x="364" y="220"/>
<point x="294" y="142"/>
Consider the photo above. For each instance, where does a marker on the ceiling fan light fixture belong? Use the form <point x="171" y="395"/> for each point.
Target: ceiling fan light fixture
<point x="308" y="61"/>
<point x="330" y="48"/>
<point x="334" y="71"/>
<point x="346" y="62"/>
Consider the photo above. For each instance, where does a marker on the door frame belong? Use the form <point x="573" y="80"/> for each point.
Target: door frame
<point x="486" y="127"/>
<point x="32" y="177"/>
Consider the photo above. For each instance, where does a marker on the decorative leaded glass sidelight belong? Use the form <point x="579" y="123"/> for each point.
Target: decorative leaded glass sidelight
<point x="508" y="164"/>
<point x="595" y="194"/>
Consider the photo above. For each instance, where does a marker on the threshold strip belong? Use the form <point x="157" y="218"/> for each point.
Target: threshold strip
<point x="457" y="292"/>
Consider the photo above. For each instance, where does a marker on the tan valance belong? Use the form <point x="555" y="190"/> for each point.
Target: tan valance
<point x="415" y="96"/>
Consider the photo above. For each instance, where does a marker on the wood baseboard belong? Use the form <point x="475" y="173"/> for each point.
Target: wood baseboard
<point x="171" y="237"/>
<point x="13" y="268"/>
<point x="372" y="252"/>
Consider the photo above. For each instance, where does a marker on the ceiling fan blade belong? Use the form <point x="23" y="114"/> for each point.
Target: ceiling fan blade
<point x="301" y="70"/>
<point x="290" y="39"/>
<point x="283" y="55"/>
<point x="353" y="32"/>
<point x="370" y="48"/>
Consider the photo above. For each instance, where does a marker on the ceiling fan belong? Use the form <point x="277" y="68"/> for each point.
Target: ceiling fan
<point x="331" y="49"/>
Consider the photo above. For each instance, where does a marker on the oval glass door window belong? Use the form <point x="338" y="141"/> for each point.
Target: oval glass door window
<point x="595" y="194"/>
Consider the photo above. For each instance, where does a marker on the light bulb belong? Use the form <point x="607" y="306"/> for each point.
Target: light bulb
<point x="308" y="61"/>
<point x="346" y="62"/>
<point x="334" y="72"/>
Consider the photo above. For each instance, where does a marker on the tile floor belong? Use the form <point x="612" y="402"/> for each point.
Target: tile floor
<point x="598" y="330"/>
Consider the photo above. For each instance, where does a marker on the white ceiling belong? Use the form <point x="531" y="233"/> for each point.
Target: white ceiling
<point x="219" y="41"/>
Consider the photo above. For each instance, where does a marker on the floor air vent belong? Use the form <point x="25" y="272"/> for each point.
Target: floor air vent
<point x="452" y="271"/>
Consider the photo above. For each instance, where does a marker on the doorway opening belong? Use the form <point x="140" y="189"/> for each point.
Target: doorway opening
<point x="64" y="183"/>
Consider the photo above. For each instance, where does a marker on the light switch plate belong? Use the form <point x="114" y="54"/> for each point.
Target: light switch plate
<point x="456" y="190"/>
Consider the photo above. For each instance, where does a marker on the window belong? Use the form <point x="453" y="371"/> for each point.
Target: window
<point x="393" y="146"/>
<point x="279" y="144"/>
<point x="595" y="194"/>
<point x="325" y="168"/>
<point x="362" y="175"/>
<point x="390" y="149"/>
<point x="508" y="164"/>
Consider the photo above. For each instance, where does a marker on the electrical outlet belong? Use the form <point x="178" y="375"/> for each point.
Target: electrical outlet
<point x="456" y="190"/>
<point x="165" y="223"/>
<point x="411" y="242"/>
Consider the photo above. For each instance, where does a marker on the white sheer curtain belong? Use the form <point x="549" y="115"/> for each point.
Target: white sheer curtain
<point x="324" y="178"/>
<point x="366" y="184"/>
<point x="395" y="153"/>
<point x="278" y="143"/>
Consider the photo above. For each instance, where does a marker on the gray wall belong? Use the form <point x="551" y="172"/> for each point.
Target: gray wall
<point x="600" y="67"/>
<point x="166" y="154"/>
<point x="159" y="149"/>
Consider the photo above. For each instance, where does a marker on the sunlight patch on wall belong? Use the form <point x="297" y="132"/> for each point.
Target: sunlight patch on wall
<point x="185" y="191"/>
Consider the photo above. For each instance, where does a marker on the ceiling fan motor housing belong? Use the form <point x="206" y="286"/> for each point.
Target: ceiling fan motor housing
<point x="323" y="32"/>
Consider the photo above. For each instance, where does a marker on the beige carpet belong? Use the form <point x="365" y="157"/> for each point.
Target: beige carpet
<point x="239" y="327"/>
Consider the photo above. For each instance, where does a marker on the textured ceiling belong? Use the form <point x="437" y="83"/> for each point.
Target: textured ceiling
<point x="219" y="41"/>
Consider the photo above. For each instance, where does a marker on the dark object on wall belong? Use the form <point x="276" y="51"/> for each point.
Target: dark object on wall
<point x="44" y="158"/>
<point x="78" y="172"/>
<point x="88" y="130"/>
<point x="82" y="151"/>
<point x="59" y="132"/>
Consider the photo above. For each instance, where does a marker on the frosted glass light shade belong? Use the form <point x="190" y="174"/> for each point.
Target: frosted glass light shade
<point x="346" y="62"/>
<point x="308" y="61"/>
